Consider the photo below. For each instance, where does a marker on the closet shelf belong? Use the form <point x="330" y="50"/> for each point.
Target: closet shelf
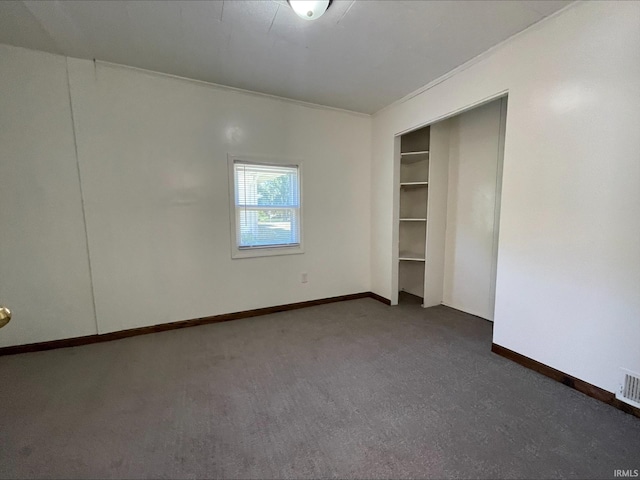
<point x="408" y="158"/>
<point x="411" y="257"/>
<point x="413" y="195"/>
<point x="421" y="152"/>
<point x="414" y="184"/>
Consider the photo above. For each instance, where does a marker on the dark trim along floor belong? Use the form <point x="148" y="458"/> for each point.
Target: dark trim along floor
<point x="106" y="337"/>
<point x="580" y="385"/>
<point x="573" y="382"/>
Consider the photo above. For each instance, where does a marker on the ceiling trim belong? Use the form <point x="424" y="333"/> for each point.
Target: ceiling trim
<point x="219" y="86"/>
<point x="477" y="59"/>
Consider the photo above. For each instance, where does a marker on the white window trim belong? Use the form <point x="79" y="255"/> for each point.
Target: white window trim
<point x="251" y="252"/>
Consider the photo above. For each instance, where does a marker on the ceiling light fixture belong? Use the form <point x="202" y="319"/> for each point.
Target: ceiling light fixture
<point x="309" y="9"/>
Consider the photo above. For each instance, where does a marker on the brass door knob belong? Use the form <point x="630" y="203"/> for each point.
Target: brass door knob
<point x="5" y="316"/>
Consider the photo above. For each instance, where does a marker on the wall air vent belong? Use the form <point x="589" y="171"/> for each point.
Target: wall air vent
<point x="629" y="388"/>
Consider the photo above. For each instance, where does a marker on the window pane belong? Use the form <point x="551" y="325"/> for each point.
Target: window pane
<point x="266" y="185"/>
<point x="267" y="205"/>
<point x="263" y="227"/>
<point x="276" y="190"/>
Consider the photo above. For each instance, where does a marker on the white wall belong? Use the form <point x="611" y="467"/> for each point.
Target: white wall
<point x="474" y="148"/>
<point x="152" y="153"/>
<point x="153" y="157"/>
<point x="44" y="269"/>
<point x="568" y="277"/>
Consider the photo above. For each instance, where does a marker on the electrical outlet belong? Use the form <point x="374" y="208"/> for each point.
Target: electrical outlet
<point x="303" y="277"/>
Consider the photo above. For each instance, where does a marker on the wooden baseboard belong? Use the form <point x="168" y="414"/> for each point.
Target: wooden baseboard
<point x="106" y="337"/>
<point x="380" y="298"/>
<point x="570" y="381"/>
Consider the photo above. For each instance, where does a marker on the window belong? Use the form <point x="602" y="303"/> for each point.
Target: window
<point x="266" y="208"/>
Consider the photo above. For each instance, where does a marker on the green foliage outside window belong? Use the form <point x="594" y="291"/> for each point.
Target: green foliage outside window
<point x="276" y="191"/>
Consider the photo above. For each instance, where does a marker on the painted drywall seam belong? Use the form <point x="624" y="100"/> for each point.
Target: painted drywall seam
<point x="84" y="216"/>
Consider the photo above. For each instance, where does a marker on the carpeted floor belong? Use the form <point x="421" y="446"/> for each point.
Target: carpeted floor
<point x="346" y="390"/>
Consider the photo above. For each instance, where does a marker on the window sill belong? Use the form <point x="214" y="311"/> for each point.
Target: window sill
<point x="266" y="252"/>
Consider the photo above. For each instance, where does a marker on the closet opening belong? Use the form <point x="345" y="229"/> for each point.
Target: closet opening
<point x="449" y="180"/>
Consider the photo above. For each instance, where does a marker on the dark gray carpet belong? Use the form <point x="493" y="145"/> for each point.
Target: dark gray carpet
<point x="349" y="390"/>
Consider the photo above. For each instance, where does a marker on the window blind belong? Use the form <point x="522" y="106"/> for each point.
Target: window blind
<point x="267" y="201"/>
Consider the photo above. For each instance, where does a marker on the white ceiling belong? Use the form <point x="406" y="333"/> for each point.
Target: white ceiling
<point x="361" y="55"/>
